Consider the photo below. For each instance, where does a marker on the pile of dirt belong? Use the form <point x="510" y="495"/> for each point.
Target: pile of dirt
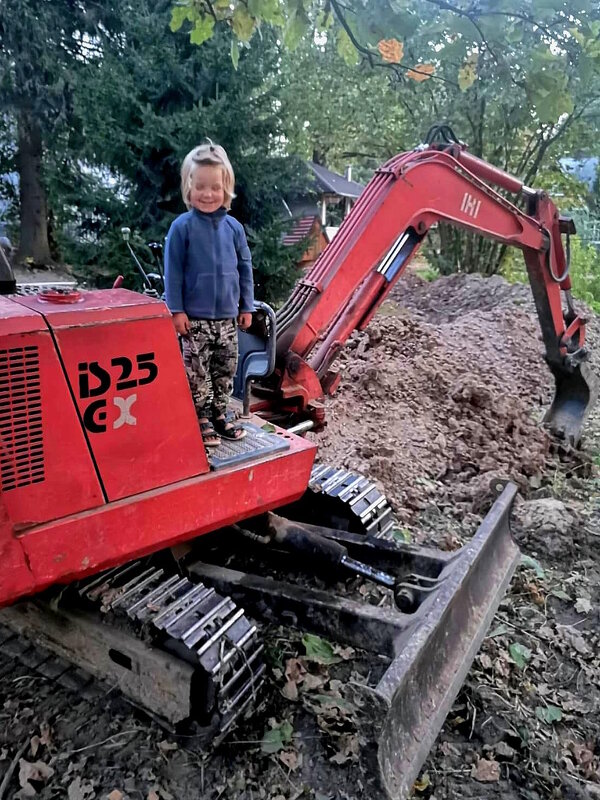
<point x="442" y="393"/>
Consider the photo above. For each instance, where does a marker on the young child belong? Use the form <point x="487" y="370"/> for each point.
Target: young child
<point x="209" y="286"/>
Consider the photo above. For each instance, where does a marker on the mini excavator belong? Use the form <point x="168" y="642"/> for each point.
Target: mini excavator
<point x="127" y="554"/>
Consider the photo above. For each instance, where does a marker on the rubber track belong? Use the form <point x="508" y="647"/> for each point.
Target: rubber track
<point x="205" y="628"/>
<point x="361" y="499"/>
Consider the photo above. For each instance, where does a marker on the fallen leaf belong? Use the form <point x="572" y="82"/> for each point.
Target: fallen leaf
<point x="46" y="734"/>
<point x="579" y="643"/>
<point x="500" y="630"/>
<point x="583" y="755"/>
<point x="548" y="714"/>
<point x="422" y="783"/>
<point x="504" y="750"/>
<point x="319" y="650"/>
<point x="485" y="661"/>
<point x="165" y="746"/>
<point x="313" y="682"/>
<point x="346" y="653"/>
<point x="531" y="563"/>
<point x="295" y="670"/>
<point x="348" y="749"/>
<point x="583" y="605"/>
<point x="328" y="700"/>
<point x="115" y="795"/>
<point x="75" y="790"/>
<point x="519" y="654"/>
<point x="34" y="743"/>
<point x="152" y="795"/>
<point x="277" y="738"/>
<point x="291" y="758"/>
<point x="36" y="771"/>
<point x="290" y="691"/>
<point x="535" y="593"/>
<point x="486" y="770"/>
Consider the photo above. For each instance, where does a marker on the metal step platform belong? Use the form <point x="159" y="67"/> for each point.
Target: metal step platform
<point x="255" y="444"/>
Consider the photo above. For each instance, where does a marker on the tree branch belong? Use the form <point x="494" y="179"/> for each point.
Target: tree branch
<point x="369" y="55"/>
<point x="443" y="4"/>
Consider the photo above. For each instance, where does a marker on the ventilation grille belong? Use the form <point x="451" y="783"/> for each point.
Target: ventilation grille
<point x="21" y="441"/>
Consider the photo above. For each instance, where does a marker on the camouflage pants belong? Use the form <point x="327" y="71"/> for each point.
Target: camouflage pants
<point x="210" y="352"/>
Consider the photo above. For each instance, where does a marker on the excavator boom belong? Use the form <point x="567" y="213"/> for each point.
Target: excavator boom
<point x="407" y="196"/>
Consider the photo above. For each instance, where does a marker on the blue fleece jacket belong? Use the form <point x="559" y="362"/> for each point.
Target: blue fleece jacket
<point x="208" y="269"/>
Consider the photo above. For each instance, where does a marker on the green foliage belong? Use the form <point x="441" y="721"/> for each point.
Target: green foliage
<point x="514" y="79"/>
<point x="319" y="650"/>
<point x="337" y="114"/>
<point x="560" y="49"/>
<point x="585" y="273"/>
<point x="519" y="654"/>
<point x="548" y="714"/>
<point x="275" y="739"/>
<point x="151" y="99"/>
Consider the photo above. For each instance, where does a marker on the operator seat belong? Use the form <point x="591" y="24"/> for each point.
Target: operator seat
<point x="256" y="350"/>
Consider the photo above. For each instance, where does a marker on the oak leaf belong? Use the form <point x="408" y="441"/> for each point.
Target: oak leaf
<point x="391" y="50"/>
<point x="421" y="72"/>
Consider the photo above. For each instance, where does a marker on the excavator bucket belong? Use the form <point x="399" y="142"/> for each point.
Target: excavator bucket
<point x="448" y="601"/>
<point x="576" y="392"/>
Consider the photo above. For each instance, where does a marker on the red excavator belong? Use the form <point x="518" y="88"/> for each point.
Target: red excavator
<point x="129" y="555"/>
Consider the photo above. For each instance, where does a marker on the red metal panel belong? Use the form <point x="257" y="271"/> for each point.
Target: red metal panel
<point x="86" y="543"/>
<point x="46" y="467"/>
<point x="14" y="318"/>
<point x="100" y="306"/>
<point x="15" y="576"/>
<point x="134" y="400"/>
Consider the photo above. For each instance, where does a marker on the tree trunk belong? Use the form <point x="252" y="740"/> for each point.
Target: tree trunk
<point x="33" y="244"/>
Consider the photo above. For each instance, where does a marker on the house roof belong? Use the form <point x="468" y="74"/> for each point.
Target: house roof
<point x="300" y="231"/>
<point x="332" y="183"/>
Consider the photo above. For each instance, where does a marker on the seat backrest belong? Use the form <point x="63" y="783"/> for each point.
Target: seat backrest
<point x="256" y="348"/>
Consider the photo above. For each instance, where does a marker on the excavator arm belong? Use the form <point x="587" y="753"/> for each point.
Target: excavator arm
<point x="439" y="182"/>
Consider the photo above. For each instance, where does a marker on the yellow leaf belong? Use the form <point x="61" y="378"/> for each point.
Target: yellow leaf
<point x="423" y="783"/>
<point x="421" y="72"/>
<point x="467" y="74"/>
<point x="391" y="50"/>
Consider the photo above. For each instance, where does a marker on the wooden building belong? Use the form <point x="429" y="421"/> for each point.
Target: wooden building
<point x="318" y="214"/>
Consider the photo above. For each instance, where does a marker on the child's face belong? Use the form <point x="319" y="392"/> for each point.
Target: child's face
<point x="207" y="192"/>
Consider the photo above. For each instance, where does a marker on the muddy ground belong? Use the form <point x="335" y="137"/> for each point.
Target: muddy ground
<point x="439" y="396"/>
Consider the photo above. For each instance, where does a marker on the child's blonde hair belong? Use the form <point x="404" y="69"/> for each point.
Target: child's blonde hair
<point x="207" y="154"/>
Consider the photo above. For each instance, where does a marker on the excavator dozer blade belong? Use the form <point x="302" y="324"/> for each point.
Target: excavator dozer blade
<point x="447" y="600"/>
<point x="402" y="716"/>
<point x="576" y="392"/>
